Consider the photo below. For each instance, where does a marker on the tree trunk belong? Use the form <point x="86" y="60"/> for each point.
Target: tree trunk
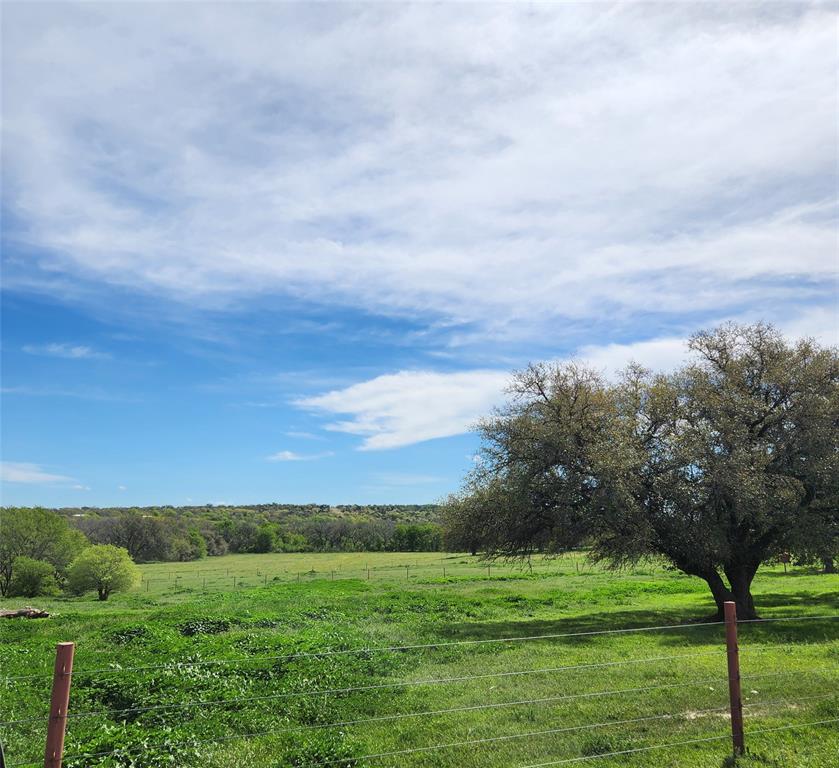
<point x="829" y="565"/>
<point x="103" y="593"/>
<point x="739" y="592"/>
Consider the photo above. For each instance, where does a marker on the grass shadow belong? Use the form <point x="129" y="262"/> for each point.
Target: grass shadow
<point x="686" y="628"/>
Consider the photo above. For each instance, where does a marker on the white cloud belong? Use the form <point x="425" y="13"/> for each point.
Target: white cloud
<point x="662" y="354"/>
<point x="304" y="435"/>
<point x="292" y="456"/>
<point x="399" y="409"/>
<point x="820" y="323"/>
<point x="656" y="354"/>
<point x="32" y="474"/>
<point x="121" y="488"/>
<point x="496" y="165"/>
<point x="411" y="406"/>
<point x="82" y="393"/>
<point x="68" y="351"/>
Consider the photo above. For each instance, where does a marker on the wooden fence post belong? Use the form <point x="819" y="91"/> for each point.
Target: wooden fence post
<point x="59" y="703"/>
<point x="735" y="698"/>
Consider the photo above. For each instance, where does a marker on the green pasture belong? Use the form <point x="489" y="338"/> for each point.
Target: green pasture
<point x="236" y="572"/>
<point x="188" y="672"/>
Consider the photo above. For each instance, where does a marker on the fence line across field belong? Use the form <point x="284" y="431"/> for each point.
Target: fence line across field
<point x="678" y="744"/>
<point x="402" y="684"/>
<point x="328" y="654"/>
<point x="63" y="672"/>
<point x="551" y="731"/>
<point x="440" y="681"/>
<point x="422" y="646"/>
<point x="496" y="739"/>
<point x="551" y="565"/>
<point x="400" y="716"/>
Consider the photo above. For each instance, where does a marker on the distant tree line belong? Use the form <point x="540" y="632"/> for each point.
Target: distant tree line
<point x="286" y="514"/>
<point x="149" y="539"/>
<point x="38" y="546"/>
<point x="153" y="534"/>
<point x="41" y="554"/>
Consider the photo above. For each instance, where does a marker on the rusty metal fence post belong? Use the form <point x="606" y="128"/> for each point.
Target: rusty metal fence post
<point x="734" y="695"/>
<point x="59" y="703"/>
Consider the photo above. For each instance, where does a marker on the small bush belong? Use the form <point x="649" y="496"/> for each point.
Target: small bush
<point x="131" y="746"/>
<point x="33" y="578"/>
<point x="601" y="745"/>
<point x="320" y="749"/>
<point x="205" y="627"/>
<point x="129" y="634"/>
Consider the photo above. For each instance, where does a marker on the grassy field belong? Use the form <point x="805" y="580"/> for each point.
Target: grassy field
<point x="246" y="661"/>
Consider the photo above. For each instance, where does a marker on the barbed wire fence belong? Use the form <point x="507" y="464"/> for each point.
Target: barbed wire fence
<point x="733" y="712"/>
<point x="187" y="578"/>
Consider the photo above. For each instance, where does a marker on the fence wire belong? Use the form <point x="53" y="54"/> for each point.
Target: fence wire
<point x="414" y="647"/>
<point x="679" y="743"/>
<point x="548" y="700"/>
<point x="465" y="743"/>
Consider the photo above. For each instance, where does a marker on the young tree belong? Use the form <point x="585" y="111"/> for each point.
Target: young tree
<point x="718" y="467"/>
<point x="37" y="534"/>
<point x="102" y="567"/>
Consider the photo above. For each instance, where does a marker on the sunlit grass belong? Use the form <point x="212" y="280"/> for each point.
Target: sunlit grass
<point x="789" y="668"/>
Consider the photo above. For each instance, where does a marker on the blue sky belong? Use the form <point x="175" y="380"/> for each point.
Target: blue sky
<point x="279" y="252"/>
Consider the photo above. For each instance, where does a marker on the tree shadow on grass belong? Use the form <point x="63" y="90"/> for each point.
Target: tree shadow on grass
<point x="794" y="572"/>
<point x="691" y="629"/>
<point x="827" y="602"/>
<point x="685" y="627"/>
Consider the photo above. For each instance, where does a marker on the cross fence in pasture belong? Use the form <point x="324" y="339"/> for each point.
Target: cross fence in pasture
<point x="200" y="578"/>
<point x="735" y="712"/>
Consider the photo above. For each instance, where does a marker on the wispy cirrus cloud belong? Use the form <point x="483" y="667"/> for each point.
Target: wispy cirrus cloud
<point x="65" y="350"/>
<point x="495" y="167"/>
<point x="298" y="435"/>
<point x="32" y="474"/>
<point x="81" y="393"/>
<point x="293" y="456"/>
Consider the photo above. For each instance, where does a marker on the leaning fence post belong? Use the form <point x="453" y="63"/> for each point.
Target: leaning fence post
<point x="59" y="703"/>
<point x="735" y="698"/>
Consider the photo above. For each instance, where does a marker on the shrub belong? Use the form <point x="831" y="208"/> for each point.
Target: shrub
<point x="33" y="578"/>
<point x="205" y="627"/>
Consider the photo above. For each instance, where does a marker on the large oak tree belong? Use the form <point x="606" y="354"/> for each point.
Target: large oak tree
<point x="717" y="467"/>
